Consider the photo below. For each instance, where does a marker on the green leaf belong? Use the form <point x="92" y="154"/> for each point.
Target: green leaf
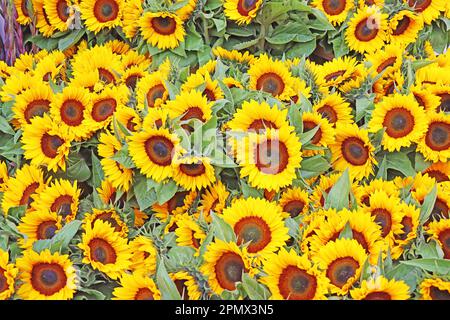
<point x="71" y="39"/>
<point x="307" y="136"/>
<point x="145" y="196"/>
<point x="362" y="105"/>
<point x="337" y="198"/>
<point x="301" y="49"/>
<point x="347" y="232"/>
<point x="124" y="158"/>
<point x="78" y="169"/>
<point x="254" y="289"/>
<point x="295" y="118"/>
<point x="166" y="191"/>
<point x="382" y="170"/>
<point x="400" y="162"/>
<point x="221" y="229"/>
<point x="249" y="191"/>
<point x="406" y="273"/>
<point x="60" y="240"/>
<point x="439" y="266"/>
<point x="5" y="127"/>
<point x="315" y="164"/>
<point x="97" y="171"/>
<point x="165" y="284"/>
<point x="428" y="205"/>
<point x="430" y="250"/>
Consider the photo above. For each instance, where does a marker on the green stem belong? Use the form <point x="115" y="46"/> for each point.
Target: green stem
<point x="262" y="38"/>
<point x="205" y="30"/>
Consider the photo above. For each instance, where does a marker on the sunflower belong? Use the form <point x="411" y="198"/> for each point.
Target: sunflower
<point x="33" y="102"/>
<point x="440" y="231"/>
<point x="89" y="80"/>
<point x="38" y="225"/>
<point x="143" y="255"/>
<point x="131" y="76"/>
<point x="57" y="13"/>
<point x="23" y="16"/>
<point x="119" y="47"/>
<point x="211" y="90"/>
<point x="61" y="197"/>
<point x="139" y="217"/>
<point x="46" y="276"/>
<point x="8" y="274"/>
<point x="151" y="90"/>
<point x="386" y="212"/>
<point x="110" y="216"/>
<point x="335" y="109"/>
<point x="4" y="176"/>
<point x="294" y="201"/>
<point x="352" y="149"/>
<point x="386" y="61"/>
<point x="224" y="263"/>
<point x="410" y="225"/>
<point x="180" y="203"/>
<point x="435" y="289"/>
<point x="233" y="55"/>
<point x="23" y="188"/>
<point x="426" y="99"/>
<point x="163" y="30"/>
<point x="271" y="76"/>
<point x="294" y="277"/>
<point x="429" y="10"/>
<point x="388" y="85"/>
<point x="190" y="105"/>
<point x="187" y="285"/>
<point x="335" y="11"/>
<point x="342" y="261"/>
<point x="100" y="59"/>
<point x="255" y="116"/>
<point x="105" y="103"/>
<point x="105" y="250"/>
<point x="156" y="118"/>
<point x="443" y="92"/>
<point x="129" y="118"/>
<point x="213" y="199"/>
<point x="15" y="85"/>
<point x="241" y="11"/>
<point x="189" y="233"/>
<point x="153" y="152"/>
<point x="70" y="109"/>
<point x="258" y="223"/>
<point x="44" y="143"/>
<point x="231" y="82"/>
<point x="131" y="58"/>
<point x="367" y="30"/>
<point x="404" y="27"/>
<point x="42" y="19"/>
<point x="324" y="135"/>
<point x="364" y="230"/>
<point x="50" y="67"/>
<point x="136" y="287"/>
<point x="381" y="289"/>
<point x="5" y="70"/>
<point x="364" y="192"/>
<point x="435" y="144"/>
<point x="101" y="14"/>
<point x="440" y="171"/>
<point x="270" y="160"/>
<point x="364" y="3"/>
<point x="132" y="11"/>
<point x="310" y="226"/>
<point x="403" y="119"/>
<point x="193" y="172"/>
<point x="119" y="176"/>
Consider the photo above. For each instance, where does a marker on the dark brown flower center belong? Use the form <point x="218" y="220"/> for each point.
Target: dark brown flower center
<point x="438" y="136"/>
<point x="106" y="10"/>
<point x="354" y="151"/>
<point x="399" y="122"/>
<point x="48" y="278"/>
<point x="102" y="251"/>
<point x="253" y="230"/>
<point x="297" y="284"/>
<point x="228" y="269"/>
<point x="164" y="25"/>
<point x="272" y="156"/>
<point x="366" y="30"/>
<point x="159" y="149"/>
<point x="36" y="108"/>
<point x="271" y="83"/>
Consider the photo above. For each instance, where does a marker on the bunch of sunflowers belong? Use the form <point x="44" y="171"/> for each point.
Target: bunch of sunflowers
<point x="235" y="149"/>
